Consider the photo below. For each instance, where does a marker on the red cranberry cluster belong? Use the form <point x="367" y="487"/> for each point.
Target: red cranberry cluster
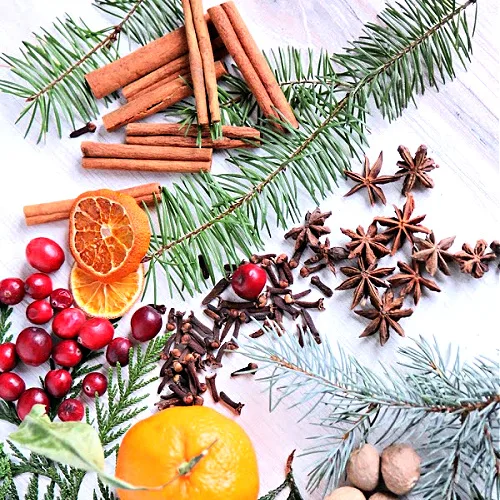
<point x="74" y="332"/>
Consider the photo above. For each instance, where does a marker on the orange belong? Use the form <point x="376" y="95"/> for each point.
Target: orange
<point x="153" y="450"/>
<point x="105" y="300"/>
<point x="108" y="234"/>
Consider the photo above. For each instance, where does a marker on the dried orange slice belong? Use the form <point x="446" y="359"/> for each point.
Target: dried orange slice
<point x="105" y="300"/>
<point x="108" y="234"/>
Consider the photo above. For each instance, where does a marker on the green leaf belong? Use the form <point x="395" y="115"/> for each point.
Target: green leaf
<point x="72" y="443"/>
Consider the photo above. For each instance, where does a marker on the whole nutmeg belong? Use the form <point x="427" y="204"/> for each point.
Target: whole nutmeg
<point x="382" y="496"/>
<point x="345" y="493"/>
<point x="400" y="468"/>
<point x="363" y="468"/>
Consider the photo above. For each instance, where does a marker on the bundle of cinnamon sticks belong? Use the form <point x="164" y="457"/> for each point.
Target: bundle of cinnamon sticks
<point x="189" y="60"/>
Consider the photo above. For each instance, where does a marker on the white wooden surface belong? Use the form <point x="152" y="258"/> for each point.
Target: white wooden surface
<point x="459" y="125"/>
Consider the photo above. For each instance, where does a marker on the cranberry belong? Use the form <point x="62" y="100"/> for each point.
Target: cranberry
<point x="44" y="254"/>
<point x="30" y="398"/>
<point x="71" y="410"/>
<point x="61" y="299"/>
<point x="58" y="383"/>
<point x="68" y="322"/>
<point x="33" y="346"/>
<point x="118" y="351"/>
<point x="39" y="312"/>
<point x="146" y="323"/>
<point x="38" y="285"/>
<point x="67" y="353"/>
<point x="96" y="333"/>
<point x="94" y="382"/>
<point x="11" y="386"/>
<point x="248" y="281"/>
<point x="11" y="291"/>
<point x="8" y="358"/>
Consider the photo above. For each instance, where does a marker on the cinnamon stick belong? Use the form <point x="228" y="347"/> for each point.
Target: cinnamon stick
<point x="189" y="142"/>
<point x="152" y="129"/>
<point x="144" y="60"/>
<point x="230" y="38"/>
<point x="59" y="210"/>
<point x="141" y="152"/>
<point x="152" y="102"/>
<point x="196" y="66"/>
<point x="259" y="63"/>
<point x="207" y="58"/>
<point x="168" y="72"/>
<point x="170" y="166"/>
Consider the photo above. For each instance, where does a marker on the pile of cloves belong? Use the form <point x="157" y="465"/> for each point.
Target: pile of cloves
<point x="195" y="347"/>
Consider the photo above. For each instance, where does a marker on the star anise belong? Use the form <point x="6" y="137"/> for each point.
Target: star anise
<point x="403" y="225"/>
<point x="495" y="246"/>
<point x="474" y="261"/>
<point x="310" y="232"/>
<point x="369" y="246"/>
<point x="365" y="280"/>
<point x="412" y="280"/>
<point x="326" y="256"/>
<point x="415" y="169"/>
<point x="384" y="316"/>
<point x="434" y="254"/>
<point x="370" y="179"/>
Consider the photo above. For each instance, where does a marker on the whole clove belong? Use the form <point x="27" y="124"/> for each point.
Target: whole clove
<point x="288" y="308"/>
<point x="193" y="376"/>
<point x="306" y="271"/>
<point x="227" y="327"/>
<point x="237" y="327"/>
<point x="170" y="320"/>
<point x="219" y="288"/>
<point x="220" y="352"/>
<point x="317" y="304"/>
<point x="278" y="291"/>
<point x="267" y="266"/>
<point x="250" y="369"/>
<point x="257" y="259"/>
<point x="324" y="288"/>
<point x="257" y="334"/>
<point x="230" y="304"/>
<point x="297" y="256"/>
<point x="199" y="326"/>
<point x="300" y="334"/>
<point x="215" y="316"/>
<point x="205" y="272"/>
<point x="89" y="127"/>
<point x="212" y="388"/>
<point x="300" y="295"/>
<point x="187" y="397"/>
<point x="308" y="321"/>
<point x="237" y="407"/>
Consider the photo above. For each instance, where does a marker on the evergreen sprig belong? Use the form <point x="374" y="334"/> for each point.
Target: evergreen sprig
<point x="5" y="324"/>
<point x="113" y="417"/>
<point x="447" y="408"/>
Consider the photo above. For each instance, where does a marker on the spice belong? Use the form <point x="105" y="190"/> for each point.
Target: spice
<point x="212" y="388"/>
<point x="145" y="165"/>
<point x="89" y="127"/>
<point x="403" y="226"/>
<point x="308" y="321"/>
<point x="312" y="229"/>
<point x="219" y="288"/>
<point x="414" y="170"/>
<point x="384" y="316"/>
<point x="326" y="254"/>
<point x="250" y="369"/>
<point x="323" y="287"/>
<point x="154" y="101"/>
<point x="474" y="261"/>
<point x="370" y="179"/>
<point x="367" y="245"/>
<point x="412" y="280"/>
<point x="237" y="407"/>
<point x="365" y="280"/>
<point x="251" y="62"/>
<point x="434" y="254"/>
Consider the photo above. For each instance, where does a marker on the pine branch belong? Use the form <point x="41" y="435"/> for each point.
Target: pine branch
<point x="332" y="109"/>
<point x="52" y="69"/>
<point x="5" y="324"/>
<point x="450" y="409"/>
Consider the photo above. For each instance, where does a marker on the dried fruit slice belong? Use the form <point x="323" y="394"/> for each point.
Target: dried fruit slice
<point x="106" y="300"/>
<point x="108" y="234"/>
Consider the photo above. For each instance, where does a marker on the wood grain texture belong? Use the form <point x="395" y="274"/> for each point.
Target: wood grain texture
<point x="459" y="124"/>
